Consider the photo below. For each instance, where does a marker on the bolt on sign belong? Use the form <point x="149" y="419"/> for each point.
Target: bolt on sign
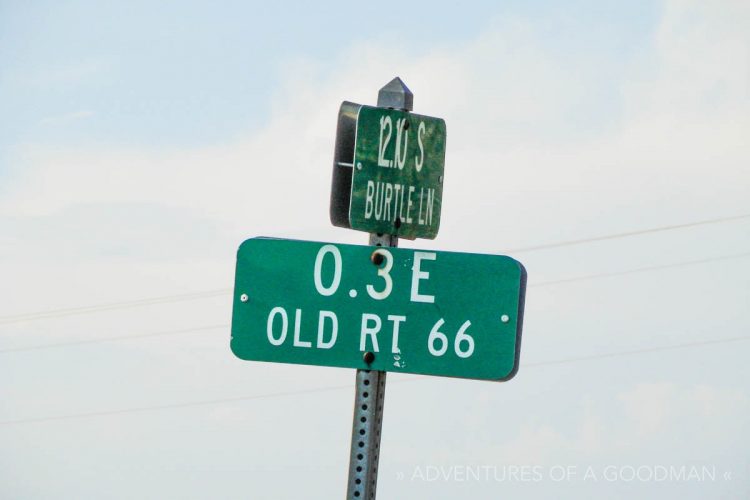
<point x="376" y="308"/>
<point x="388" y="171"/>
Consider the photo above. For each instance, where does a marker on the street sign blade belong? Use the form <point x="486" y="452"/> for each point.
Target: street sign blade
<point x="397" y="179"/>
<point x="376" y="308"/>
<point x="392" y="162"/>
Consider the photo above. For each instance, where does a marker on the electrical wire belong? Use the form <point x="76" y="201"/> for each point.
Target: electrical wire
<point x="227" y="326"/>
<point x="641" y="270"/>
<point x="96" y="308"/>
<point x="210" y="402"/>
<point x="627" y="234"/>
<point x="57" y="313"/>
<point x="213" y="293"/>
<point x="645" y="350"/>
<point x="116" y="338"/>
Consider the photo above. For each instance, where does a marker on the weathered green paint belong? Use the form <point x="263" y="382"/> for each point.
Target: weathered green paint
<point x="388" y="196"/>
<point x="486" y="290"/>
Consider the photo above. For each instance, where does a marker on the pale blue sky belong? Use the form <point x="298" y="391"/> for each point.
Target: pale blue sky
<point x="142" y="142"/>
<point x="175" y="73"/>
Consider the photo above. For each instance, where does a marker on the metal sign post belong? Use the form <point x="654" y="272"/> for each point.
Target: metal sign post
<point x="369" y="390"/>
<point x="369" y="397"/>
<point x="379" y="308"/>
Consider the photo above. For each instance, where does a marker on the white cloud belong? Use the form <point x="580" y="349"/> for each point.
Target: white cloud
<point x="531" y="158"/>
<point x="508" y="105"/>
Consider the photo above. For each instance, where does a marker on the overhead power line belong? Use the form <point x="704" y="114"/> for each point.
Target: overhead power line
<point x="627" y="234"/>
<point x="641" y="270"/>
<point x="227" y="326"/>
<point x="187" y="404"/>
<point x="71" y="311"/>
<point x="116" y="338"/>
<point x="210" y="402"/>
<point x="645" y="350"/>
<point x="96" y="308"/>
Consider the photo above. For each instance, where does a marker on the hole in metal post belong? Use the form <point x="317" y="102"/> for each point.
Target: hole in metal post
<point x="377" y="258"/>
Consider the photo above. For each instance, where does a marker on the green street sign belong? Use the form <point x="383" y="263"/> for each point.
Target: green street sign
<point x="377" y="308"/>
<point x="397" y="178"/>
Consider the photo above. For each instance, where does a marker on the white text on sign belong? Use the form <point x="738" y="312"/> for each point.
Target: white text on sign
<point x="284" y="326"/>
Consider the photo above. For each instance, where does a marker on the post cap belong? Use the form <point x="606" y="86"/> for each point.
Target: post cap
<point x="396" y="95"/>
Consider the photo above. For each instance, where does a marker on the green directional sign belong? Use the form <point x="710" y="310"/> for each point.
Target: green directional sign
<point x="376" y="308"/>
<point x="397" y="178"/>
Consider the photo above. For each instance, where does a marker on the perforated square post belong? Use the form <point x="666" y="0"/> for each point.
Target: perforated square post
<point x="369" y="395"/>
<point x="366" y="428"/>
